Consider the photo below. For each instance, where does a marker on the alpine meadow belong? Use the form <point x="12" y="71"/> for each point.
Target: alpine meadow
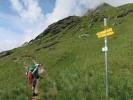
<point x="72" y="56"/>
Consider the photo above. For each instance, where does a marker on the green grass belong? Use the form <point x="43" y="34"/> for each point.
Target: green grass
<point x="13" y="82"/>
<point x="75" y="66"/>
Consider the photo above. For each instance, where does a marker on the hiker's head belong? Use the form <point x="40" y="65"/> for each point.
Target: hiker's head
<point x="38" y="65"/>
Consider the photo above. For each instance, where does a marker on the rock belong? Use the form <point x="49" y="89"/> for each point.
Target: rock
<point x="5" y="53"/>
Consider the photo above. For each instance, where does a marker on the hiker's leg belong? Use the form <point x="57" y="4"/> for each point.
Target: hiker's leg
<point x="34" y="86"/>
<point x="33" y="89"/>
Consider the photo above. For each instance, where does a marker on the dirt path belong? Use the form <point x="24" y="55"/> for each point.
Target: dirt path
<point x="33" y="98"/>
<point x="52" y="91"/>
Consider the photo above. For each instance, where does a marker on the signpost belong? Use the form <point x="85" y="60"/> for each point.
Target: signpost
<point x="104" y="34"/>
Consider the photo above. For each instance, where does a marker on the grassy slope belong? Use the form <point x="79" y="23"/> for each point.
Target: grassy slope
<point x="75" y="65"/>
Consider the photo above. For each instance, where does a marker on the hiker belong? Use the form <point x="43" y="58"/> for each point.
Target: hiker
<point x="33" y="76"/>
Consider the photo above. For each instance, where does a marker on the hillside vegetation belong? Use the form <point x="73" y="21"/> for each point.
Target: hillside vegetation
<point x="71" y="54"/>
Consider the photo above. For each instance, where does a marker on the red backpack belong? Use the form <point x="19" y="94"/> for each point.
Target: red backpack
<point x="30" y="77"/>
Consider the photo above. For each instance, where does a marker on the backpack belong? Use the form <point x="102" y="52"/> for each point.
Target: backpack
<point x="30" y="74"/>
<point x="30" y="77"/>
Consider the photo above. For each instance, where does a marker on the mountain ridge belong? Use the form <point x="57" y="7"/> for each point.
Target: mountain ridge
<point x="71" y="53"/>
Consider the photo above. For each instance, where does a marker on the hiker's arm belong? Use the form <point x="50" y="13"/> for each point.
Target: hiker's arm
<point x="26" y="73"/>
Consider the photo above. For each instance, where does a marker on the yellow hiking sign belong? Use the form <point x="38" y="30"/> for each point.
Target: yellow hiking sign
<point x="106" y="32"/>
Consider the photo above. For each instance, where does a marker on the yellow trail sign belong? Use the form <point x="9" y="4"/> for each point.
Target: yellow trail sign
<point x="106" y="32"/>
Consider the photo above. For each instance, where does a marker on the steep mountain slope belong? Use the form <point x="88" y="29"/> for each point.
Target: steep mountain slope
<point x="71" y="54"/>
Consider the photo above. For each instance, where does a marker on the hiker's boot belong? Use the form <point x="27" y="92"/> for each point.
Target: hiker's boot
<point x="34" y="94"/>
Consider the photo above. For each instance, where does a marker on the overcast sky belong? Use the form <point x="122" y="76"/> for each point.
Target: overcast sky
<point x="23" y="20"/>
